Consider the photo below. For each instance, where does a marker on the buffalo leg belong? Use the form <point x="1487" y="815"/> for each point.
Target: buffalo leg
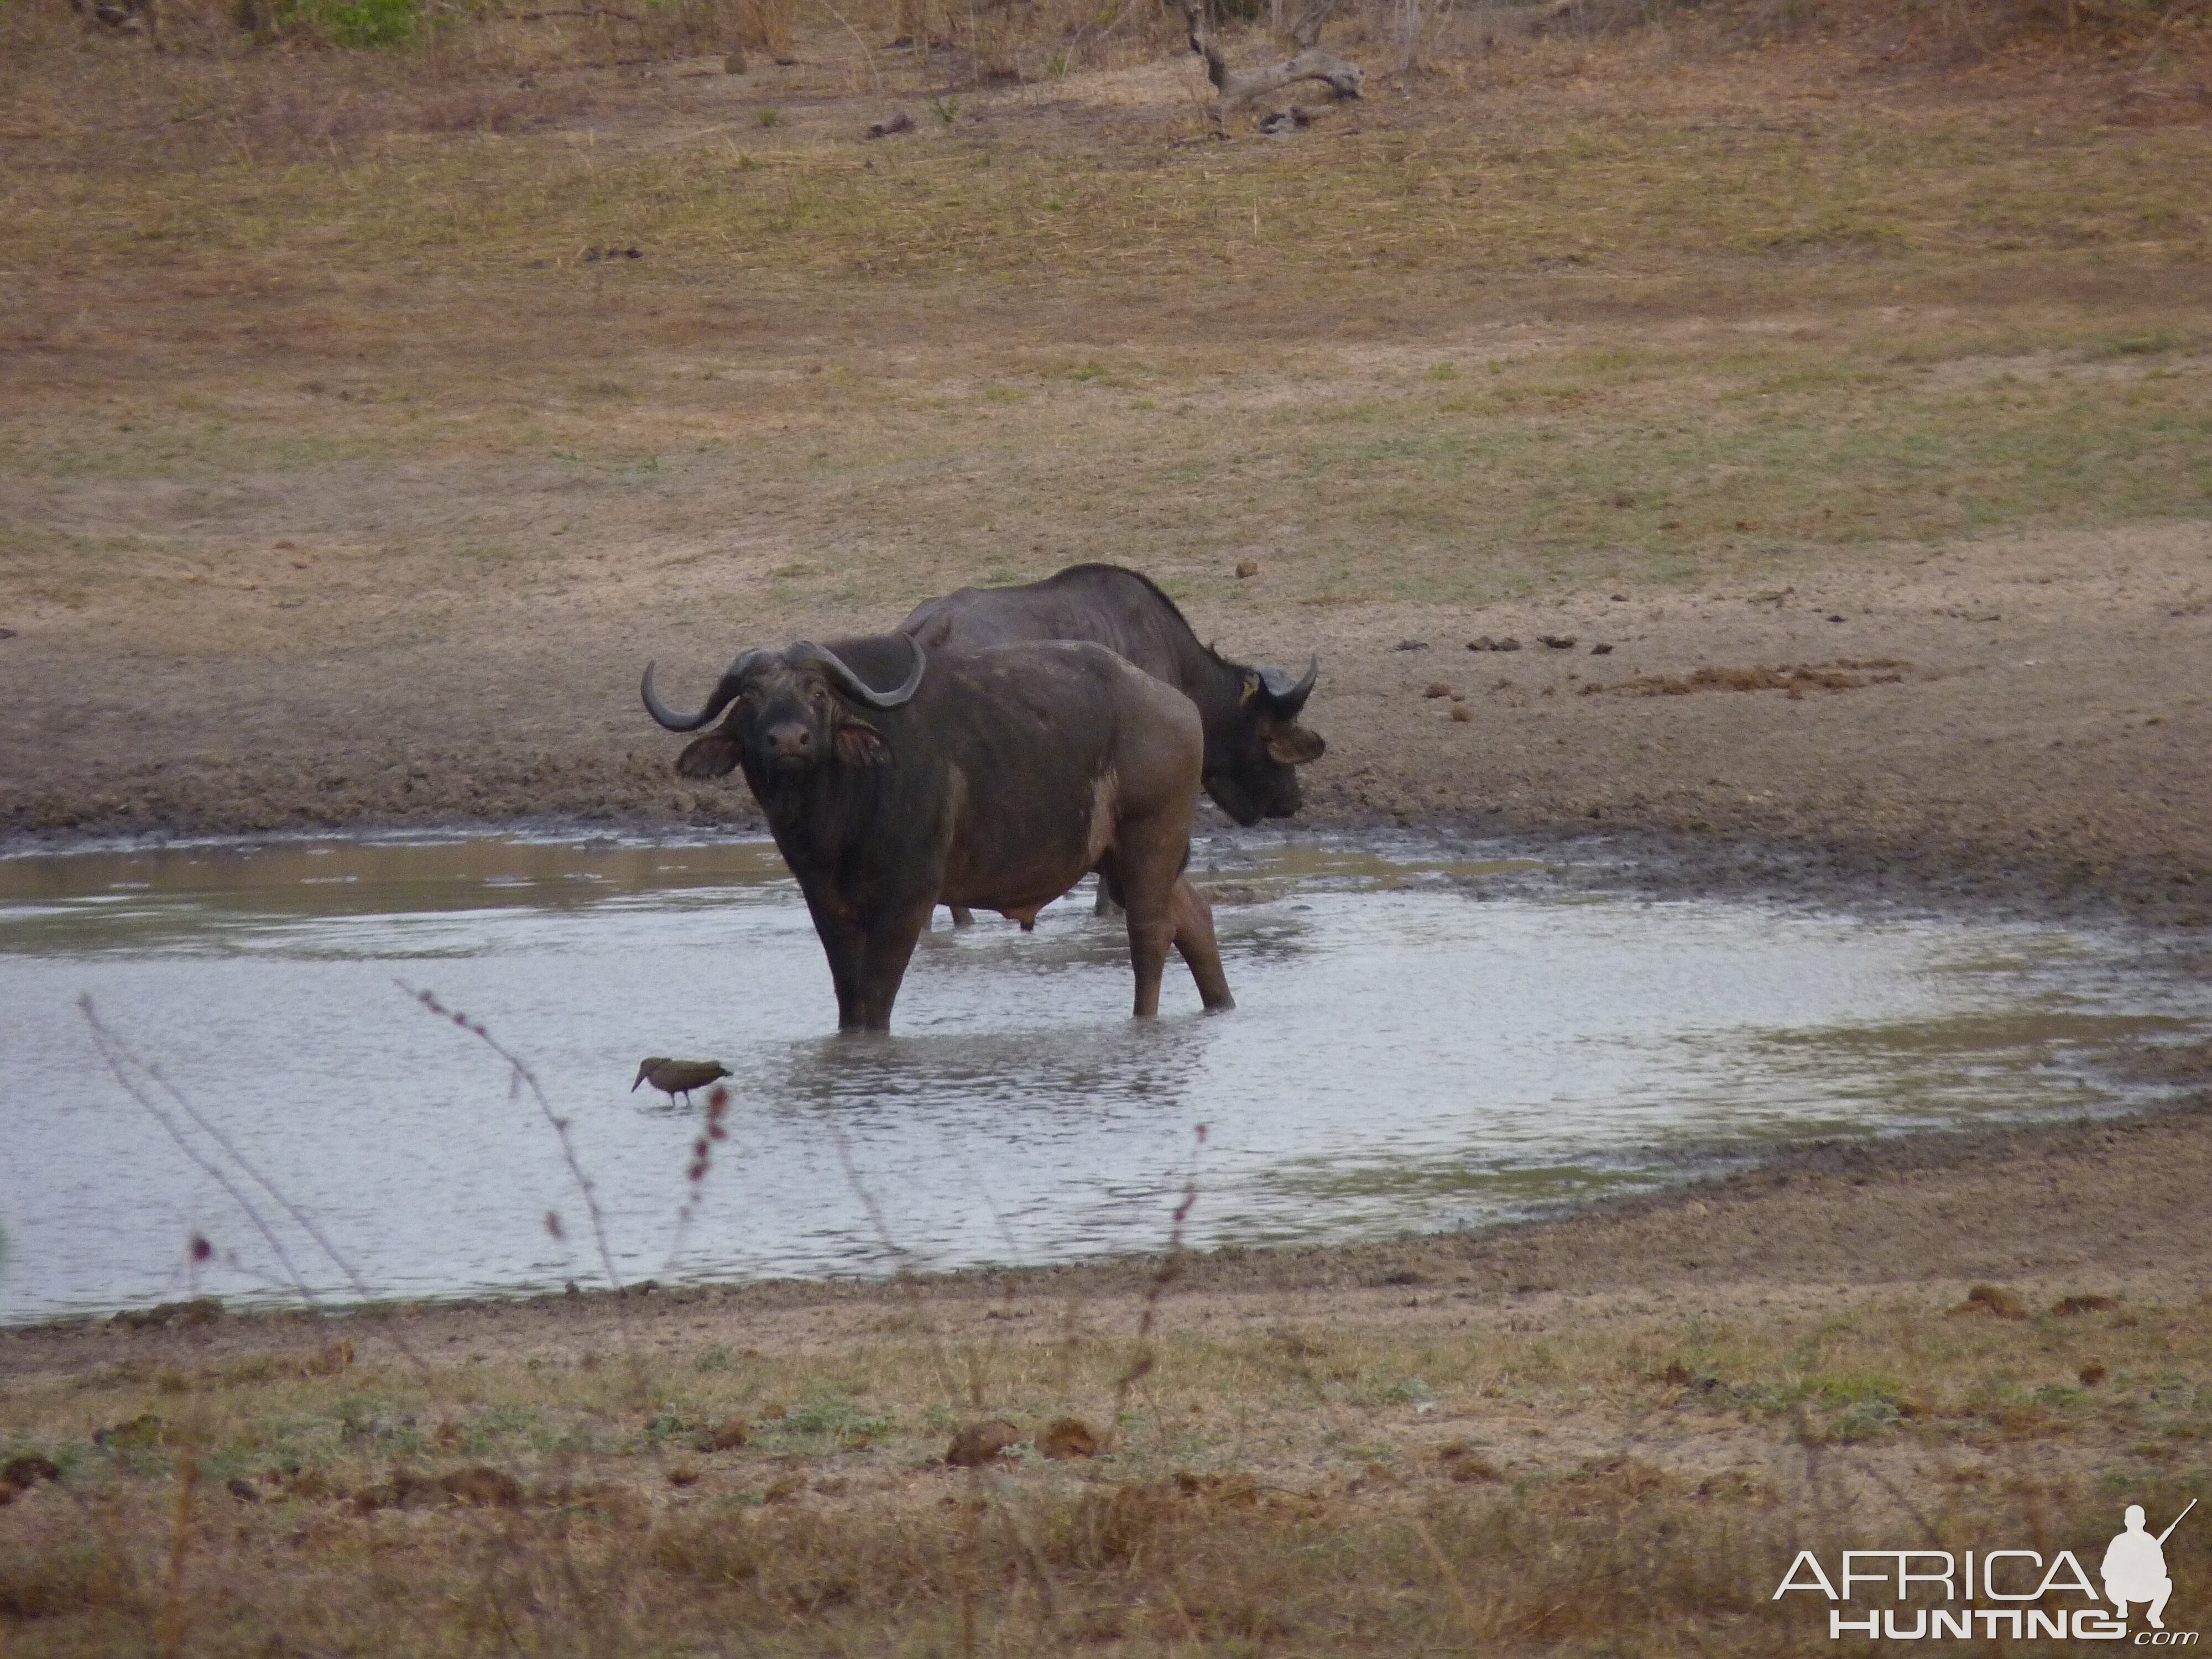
<point x="845" y="943"/>
<point x="962" y="915"/>
<point x="889" y="947"/>
<point x="1193" y="920"/>
<point x="868" y="957"/>
<point x="1108" y="903"/>
<point x="1148" y="900"/>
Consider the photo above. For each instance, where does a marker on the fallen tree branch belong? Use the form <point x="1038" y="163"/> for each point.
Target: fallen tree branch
<point x="1233" y="91"/>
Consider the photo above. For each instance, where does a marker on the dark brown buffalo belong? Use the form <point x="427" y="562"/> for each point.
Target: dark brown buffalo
<point x="995" y="778"/>
<point x="1253" y="742"/>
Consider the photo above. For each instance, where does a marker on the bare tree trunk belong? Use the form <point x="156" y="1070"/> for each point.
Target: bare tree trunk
<point x="1306" y="26"/>
<point x="1233" y="91"/>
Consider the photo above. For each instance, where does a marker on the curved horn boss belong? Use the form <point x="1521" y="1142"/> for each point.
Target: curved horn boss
<point x="725" y="692"/>
<point x="1279" y="685"/>
<point x="843" y="674"/>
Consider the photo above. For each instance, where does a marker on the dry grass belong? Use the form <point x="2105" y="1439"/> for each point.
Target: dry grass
<point x="1628" y="1487"/>
<point x="1629" y="309"/>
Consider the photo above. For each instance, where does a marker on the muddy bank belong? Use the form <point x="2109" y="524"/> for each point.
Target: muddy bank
<point x="2021" y="722"/>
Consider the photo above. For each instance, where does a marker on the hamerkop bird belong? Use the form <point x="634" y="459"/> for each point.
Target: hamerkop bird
<point x="678" y="1077"/>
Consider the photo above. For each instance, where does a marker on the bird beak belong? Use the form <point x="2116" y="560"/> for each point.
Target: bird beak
<point x="641" y="1078"/>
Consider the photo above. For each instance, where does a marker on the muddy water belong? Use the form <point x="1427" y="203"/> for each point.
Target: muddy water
<point x="1420" y="1042"/>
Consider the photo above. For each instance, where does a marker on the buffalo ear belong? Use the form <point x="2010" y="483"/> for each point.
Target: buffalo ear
<point x="1293" y="745"/>
<point x="859" y="743"/>
<point x="711" y="757"/>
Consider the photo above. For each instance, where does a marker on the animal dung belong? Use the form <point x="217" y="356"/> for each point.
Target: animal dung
<point x="1070" y="1438"/>
<point x="1460" y="712"/>
<point x="1993" y="1299"/>
<point x="1557" y="642"/>
<point x="978" y="1443"/>
<point x="1411" y="645"/>
<point x="2067" y="1305"/>
<point x="24" y="1471"/>
<point x="1461" y="1462"/>
<point x="1484" y="642"/>
<point x="1437" y="688"/>
<point x="139" y="1434"/>
<point x="2093" y="1373"/>
<point x="1248" y="567"/>
<point x="726" y="1436"/>
<point x="1600" y="650"/>
<point x="1842" y="674"/>
<point x="482" y="1485"/>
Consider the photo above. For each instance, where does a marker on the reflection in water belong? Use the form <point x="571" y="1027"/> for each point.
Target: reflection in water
<point x="1420" y="1041"/>
<point x="1004" y="1121"/>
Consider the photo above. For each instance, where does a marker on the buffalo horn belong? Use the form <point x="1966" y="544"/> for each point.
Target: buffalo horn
<point x="724" y="694"/>
<point x="860" y="688"/>
<point x="1280" y="689"/>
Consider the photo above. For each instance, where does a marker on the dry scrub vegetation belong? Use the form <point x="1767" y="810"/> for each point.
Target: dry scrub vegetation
<point x="654" y="1487"/>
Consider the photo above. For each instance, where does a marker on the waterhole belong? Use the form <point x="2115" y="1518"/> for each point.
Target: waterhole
<point x="1422" y="1041"/>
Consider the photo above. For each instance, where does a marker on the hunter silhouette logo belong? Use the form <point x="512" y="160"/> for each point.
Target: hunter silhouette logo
<point x="1917" y="1595"/>
<point x="2135" y="1566"/>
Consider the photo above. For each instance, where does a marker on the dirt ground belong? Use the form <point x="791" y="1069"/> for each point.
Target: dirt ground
<point x="2010" y="718"/>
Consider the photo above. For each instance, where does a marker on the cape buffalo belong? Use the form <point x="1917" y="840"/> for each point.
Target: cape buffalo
<point x="996" y="778"/>
<point x="1253" y="742"/>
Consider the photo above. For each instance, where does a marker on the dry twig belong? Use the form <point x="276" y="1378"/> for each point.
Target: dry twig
<point x="521" y="1076"/>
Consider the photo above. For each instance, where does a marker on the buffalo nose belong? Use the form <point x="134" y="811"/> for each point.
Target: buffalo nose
<point x="791" y="740"/>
